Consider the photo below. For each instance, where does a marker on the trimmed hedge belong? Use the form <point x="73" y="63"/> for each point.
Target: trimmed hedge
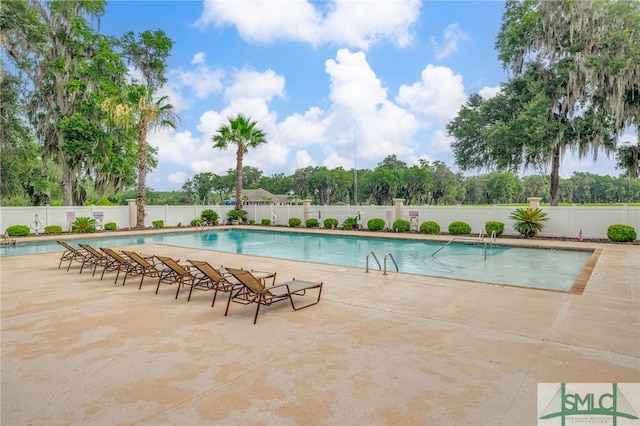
<point x="53" y="229"/>
<point x="18" y="231"/>
<point x="110" y="226"/>
<point x="459" y="228"/>
<point x="401" y="225"/>
<point x="376" y="224"/>
<point x="621" y="233"/>
<point x="266" y="222"/>
<point x="330" y="223"/>
<point x="429" y="227"/>
<point x="492" y="225"/>
<point x="158" y="223"/>
<point x="294" y="222"/>
<point x="312" y="223"/>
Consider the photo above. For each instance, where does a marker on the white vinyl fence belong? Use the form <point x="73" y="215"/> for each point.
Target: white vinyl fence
<point x="565" y="221"/>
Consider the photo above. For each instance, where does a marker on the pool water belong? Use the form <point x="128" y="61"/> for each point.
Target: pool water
<point x="529" y="267"/>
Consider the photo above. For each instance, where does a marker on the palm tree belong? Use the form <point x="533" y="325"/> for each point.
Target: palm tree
<point x="142" y="112"/>
<point x="243" y="132"/>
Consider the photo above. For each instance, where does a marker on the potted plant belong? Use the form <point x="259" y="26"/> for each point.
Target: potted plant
<point x="528" y="221"/>
<point x="210" y="217"/>
<point x="236" y="216"/>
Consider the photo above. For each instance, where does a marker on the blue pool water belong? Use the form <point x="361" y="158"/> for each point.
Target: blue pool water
<point x="530" y="267"/>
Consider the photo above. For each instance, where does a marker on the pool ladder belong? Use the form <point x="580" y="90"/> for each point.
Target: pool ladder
<point x="202" y="225"/>
<point x="386" y="256"/>
<point x="479" y="240"/>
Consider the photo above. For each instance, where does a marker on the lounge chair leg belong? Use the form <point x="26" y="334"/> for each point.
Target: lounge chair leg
<point x="228" y="302"/>
<point x="215" y="293"/>
<point x="141" y="279"/>
<point x="190" y="291"/>
<point x="257" y="309"/>
<point x="179" y="285"/>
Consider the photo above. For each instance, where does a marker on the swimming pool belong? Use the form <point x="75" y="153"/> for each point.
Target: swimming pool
<point x="528" y="267"/>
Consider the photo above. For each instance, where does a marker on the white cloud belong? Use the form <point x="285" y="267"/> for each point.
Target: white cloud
<point x="333" y="160"/>
<point x="359" y="24"/>
<point x="303" y="130"/>
<point x="361" y="112"/>
<point x="452" y="35"/>
<point x="178" y="178"/>
<point x="343" y="22"/>
<point x="436" y="99"/>
<point x="203" y="81"/>
<point x="440" y="140"/>
<point x="199" y="58"/>
<point x="303" y="159"/>
<point x="250" y="84"/>
<point x="489" y="92"/>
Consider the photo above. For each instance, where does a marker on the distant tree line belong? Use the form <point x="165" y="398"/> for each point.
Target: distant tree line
<point x="426" y="183"/>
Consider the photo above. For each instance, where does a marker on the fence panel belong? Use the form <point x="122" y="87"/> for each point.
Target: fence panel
<point x="564" y="221"/>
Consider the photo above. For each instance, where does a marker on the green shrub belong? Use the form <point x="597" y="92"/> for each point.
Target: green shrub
<point x="376" y="224"/>
<point x="83" y="225"/>
<point x="18" y="231"/>
<point x="196" y="222"/>
<point x="53" y="229"/>
<point x="621" y="233"/>
<point x="330" y="223"/>
<point x="350" y="223"/>
<point x="294" y="222"/>
<point x="429" y="227"/>
<point x="312" y="223"/>
<point x="266" y="222"/>
<point x="492" y="225"/>
<point x="459" y="228"/>
<point x="401" y="225"/>
<point x="209" y="216"/>
<point x="158" y="223"/>
<point x="110" y="226"/>
<point x="528" y="221"/>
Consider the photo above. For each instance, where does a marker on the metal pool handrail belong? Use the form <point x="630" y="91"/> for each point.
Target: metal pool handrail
<point x="375" y="258"/>
<point x="386" y="256"/>
<point x="478" y="240"/>
<point x="385" y="262"/>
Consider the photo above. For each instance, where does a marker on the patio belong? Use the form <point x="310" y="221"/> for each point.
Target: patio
<point x="378" y="349"/>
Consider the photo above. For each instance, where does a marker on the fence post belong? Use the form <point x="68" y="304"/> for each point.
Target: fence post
<point x="534" y="202"/>
<point x="131" y="202"/>
<point x="306" y="206"/>
<point x="399" y="204"/>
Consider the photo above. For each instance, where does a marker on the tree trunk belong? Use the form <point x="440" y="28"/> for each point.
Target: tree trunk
<point x="239" y="155"/>
<point x="142" y="173"/>
<point x="555" y="176"/>
<point x="67" y="187"/>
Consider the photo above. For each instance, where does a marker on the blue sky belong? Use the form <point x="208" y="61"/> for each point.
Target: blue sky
<point x="332" y="83"/>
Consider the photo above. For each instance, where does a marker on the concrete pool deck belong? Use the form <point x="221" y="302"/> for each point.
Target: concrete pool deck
<point x="378" y="349"/>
